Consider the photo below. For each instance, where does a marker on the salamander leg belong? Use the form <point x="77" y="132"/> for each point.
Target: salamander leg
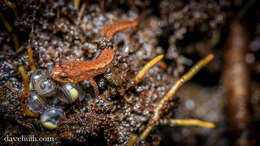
<point x="95" y="86"/>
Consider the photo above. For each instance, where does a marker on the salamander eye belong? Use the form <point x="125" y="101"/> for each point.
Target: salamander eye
<point x="63" y="77"/>
<point x="51" y="116"/>
<point x="70" y="93"/>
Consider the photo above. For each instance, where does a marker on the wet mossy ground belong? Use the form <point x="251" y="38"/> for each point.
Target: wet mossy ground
<point x="184" y="31"/>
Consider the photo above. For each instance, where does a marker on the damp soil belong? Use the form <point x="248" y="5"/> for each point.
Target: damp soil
<point x="184" y="31"/>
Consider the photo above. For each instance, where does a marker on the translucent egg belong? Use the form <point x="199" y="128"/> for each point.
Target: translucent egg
<point x="45" y="86"/>
<point x="51" y="116"/>
<point x="35" y="103"/>
<point x="70" y="93"/>
<point x="37" y="74"/>
<point x="41" y="82"/>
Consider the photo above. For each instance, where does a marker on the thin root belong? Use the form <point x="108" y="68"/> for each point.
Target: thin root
<point x="172" y="91"/>
<point x="26" y="93"/>
<point x="16" y="41"/>
<point x="132" y="140"/>
<point x="149" y="65"/>
<point x="10" y="30"/>
<point x="82" y="9"/>
<point x="76" y="4"/>
<point x="10" y="4"/>
<point x="6" y="24"/>
<point x="189" y="122"/>
<point x="179" y="83"/>
<point x="13" y="53"/>
<point x="31" y="61"/>
<point x="215" y="38"/>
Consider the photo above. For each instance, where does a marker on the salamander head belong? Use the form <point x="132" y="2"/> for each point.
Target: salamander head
<point x="58" y="74"/>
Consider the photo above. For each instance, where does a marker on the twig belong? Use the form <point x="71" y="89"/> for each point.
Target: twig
<point x="149" y="65"/>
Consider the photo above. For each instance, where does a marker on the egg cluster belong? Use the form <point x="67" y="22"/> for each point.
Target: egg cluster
<point x="48" y="98"/>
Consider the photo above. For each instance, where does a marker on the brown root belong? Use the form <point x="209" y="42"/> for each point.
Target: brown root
<point x="31" y="61"/>
<point x="26" y="93"/>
